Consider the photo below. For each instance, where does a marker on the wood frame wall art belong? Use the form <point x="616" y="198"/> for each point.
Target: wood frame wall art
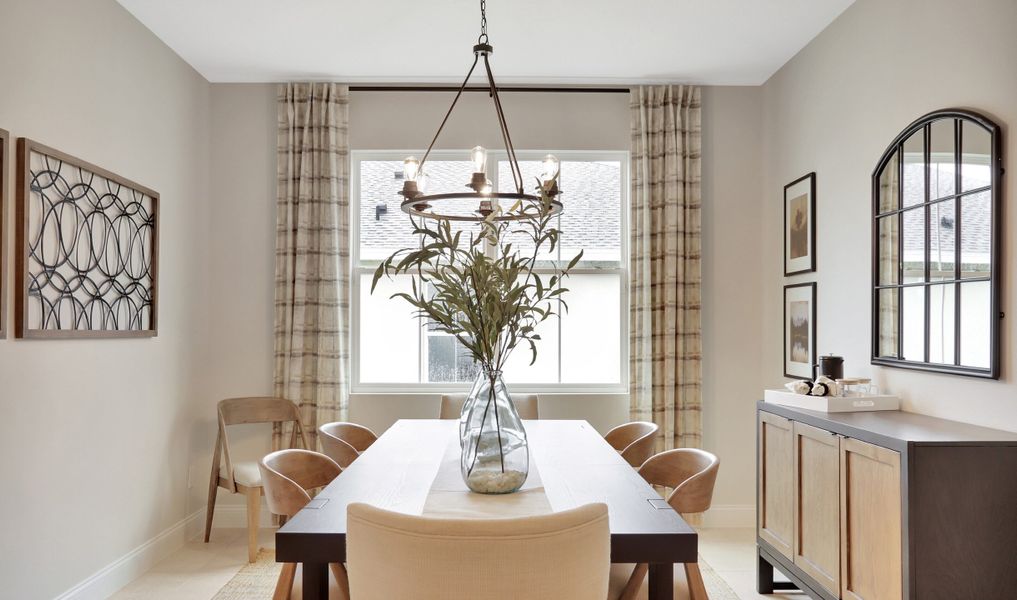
<point x="87" y="248"/>
<point x="800" y="313"/>
<point x="800" y="225"/>
<point x="5" y="144"/>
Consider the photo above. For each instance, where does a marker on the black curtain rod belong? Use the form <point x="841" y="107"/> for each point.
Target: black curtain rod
<point x="557" y="90"/>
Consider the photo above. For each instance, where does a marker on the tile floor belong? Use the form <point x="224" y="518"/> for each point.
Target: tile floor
<point x="197" y="571"/>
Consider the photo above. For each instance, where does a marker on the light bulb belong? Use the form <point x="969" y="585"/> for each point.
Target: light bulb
<point x="550" y="166"/>
<point x="411" y="167"/>
<point x="486" y="188"/>
<point x="479" y="157"/>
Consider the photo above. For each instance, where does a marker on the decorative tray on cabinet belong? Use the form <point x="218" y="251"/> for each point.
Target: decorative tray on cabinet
<point x="832" y="404"/>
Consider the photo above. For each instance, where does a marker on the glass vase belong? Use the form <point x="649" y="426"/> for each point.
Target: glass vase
<point x="471" y="397"/>
<point x="495" y="454"/>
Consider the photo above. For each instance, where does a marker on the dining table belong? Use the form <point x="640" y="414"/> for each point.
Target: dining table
<point x="413" y="468"/>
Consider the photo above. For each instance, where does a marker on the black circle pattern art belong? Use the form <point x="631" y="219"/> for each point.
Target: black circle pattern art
<point x="90" y="253"/>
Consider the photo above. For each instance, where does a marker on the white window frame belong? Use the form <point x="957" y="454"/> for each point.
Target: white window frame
<point x="494" y="157"/>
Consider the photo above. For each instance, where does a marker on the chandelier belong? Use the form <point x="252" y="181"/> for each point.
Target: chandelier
<point x="483" y="203"/>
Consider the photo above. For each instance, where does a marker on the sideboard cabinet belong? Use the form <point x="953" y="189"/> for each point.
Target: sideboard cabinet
<point x="885" y="506"/>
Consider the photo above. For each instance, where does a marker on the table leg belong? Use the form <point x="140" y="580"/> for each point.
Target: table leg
<point x="764" y="576"/>
<point x="661" y="581"/>
<point x="315" y="581"/>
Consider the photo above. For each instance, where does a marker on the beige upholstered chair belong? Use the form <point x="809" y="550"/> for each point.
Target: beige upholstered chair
<point x="634" y="441"/>
<point x="287" y="476"/>
<point x="333" y="444"/>
<point x="692" y="473"/>
<point x="452" y="405"/>
<point x="393" y="555"/>
<point x="243" y="477"/>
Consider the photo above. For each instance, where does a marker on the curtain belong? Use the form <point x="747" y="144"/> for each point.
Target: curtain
<point x="664" y="294"/>
<point x="312" y="269"/>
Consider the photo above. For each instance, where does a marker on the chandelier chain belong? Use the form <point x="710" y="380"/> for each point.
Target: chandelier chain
<point x="482" y="39"/>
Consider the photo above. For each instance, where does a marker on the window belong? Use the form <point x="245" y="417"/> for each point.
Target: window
<point x="584" y="349"/>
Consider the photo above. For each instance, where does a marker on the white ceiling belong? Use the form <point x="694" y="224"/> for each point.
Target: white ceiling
<point x="719" y="42"/>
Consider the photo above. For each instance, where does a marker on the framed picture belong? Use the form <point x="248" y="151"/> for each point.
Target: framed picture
<point x="800" y="330"/>
<point x="87" y="249"/>
<point x="800" y="225"/>
<point x="5" y="145"/>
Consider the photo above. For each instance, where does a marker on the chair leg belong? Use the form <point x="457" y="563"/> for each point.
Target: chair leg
<point x="253" y="510"/>
<point x="284" y="586"/>
<point x="342" y="578"/>
<point x="635" y="583"/>
<point x="211" y="508"/>
<point x="697" y="589"/>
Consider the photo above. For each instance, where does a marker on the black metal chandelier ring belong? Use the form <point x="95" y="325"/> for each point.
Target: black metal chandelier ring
<point x="419" y="206"/>
<point x="417" y="203"/>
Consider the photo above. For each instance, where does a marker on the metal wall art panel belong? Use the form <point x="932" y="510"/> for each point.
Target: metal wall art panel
<point x="87" y="249"/>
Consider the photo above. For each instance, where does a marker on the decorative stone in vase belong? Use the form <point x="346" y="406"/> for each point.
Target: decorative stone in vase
<point x="495" y="453"/>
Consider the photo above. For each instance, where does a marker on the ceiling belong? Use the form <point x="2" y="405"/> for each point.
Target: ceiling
<point x="716" y="42"/>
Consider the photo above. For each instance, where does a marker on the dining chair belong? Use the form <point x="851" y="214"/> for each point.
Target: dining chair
<point x="334" y="446"/>
<point x="244" y="477"/>
<point x="634" y="441"/>
<point x="287" y="477"/>
<point x="395" y="555"/>
<point x="452" y="406"/>
<point x="692" y="474"/>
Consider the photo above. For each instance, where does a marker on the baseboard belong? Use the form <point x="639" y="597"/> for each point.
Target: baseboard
<point x="730" y="516"/>
<point x="128" y="567"/>
<point x="231" y="516"/>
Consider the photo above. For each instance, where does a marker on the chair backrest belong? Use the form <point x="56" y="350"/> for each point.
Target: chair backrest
<point x="357" y="436"/>
<point x="526" y="405"/>
<point x="334" y="446"/>
<point x="634" y="441"/>
<point x="250" y="410"/>
<point x="286" y="476"/>
<point x="563" y="555"/>
<point x="690" y="471"/>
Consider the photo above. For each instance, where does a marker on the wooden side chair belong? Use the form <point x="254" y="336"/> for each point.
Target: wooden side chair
<point x="287" y="477"/>
<point x="392" y="555"/>
<point x="452" y="406"/>
<point x="357" y="436"/>
<point x="244" y="477"/>
<point x="330" y="435"/>
<point x="692" y="474"/>
<point x="634" y="441"/>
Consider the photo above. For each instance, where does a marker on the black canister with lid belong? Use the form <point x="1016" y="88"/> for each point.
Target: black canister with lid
<point x="831" y="366"/>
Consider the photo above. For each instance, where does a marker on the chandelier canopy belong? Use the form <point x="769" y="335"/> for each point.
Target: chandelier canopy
<point x="483" y="202"/>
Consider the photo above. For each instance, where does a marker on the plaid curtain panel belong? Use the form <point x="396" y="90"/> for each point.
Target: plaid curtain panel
<point x="664" y="292"/>
<point x="312" y="259"/>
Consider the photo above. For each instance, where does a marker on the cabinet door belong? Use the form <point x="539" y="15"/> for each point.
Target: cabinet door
<point x="870" y="515"/>
<point x="817" y="505"/>
<point x="775" y="485"/>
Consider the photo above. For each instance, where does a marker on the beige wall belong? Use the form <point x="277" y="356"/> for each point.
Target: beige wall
<point x="833" y="109"/>
<point x="95" y="434"/>
<point x="243" y="159"/>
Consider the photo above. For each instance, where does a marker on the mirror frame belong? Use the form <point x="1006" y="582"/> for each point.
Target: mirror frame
<point x="996" y="181"/>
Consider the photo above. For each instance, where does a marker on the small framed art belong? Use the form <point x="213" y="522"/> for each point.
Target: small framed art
<point x="800" y="330"/>
<point x="800" y="225"/>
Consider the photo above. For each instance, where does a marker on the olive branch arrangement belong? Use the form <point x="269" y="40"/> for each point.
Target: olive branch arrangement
<point x="485" y="293"/>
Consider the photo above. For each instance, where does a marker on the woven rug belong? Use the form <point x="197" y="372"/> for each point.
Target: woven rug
<point x="257" y="580"/>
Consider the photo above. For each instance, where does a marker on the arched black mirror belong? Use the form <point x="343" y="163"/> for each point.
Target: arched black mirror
<point x="936" y="235"/>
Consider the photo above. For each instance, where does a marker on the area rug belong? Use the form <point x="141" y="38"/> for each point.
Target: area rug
<point x="257" y="580"/>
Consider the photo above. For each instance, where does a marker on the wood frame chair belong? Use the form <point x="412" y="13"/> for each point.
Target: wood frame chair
<point x="634" y="441"/>
<point x="526" y="406"/>
<point x="287" y="476"/>
<point x="330" y="435"/>
<point x="691" y="473"/>
<point x="241" y="411"/>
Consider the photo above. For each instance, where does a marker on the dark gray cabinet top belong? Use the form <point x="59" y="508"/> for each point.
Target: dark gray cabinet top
<point x="896" y="429"/>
